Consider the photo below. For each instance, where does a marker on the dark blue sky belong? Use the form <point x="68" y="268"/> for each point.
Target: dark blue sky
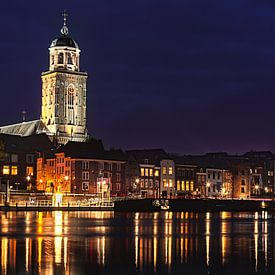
<point x="190" y="76"/>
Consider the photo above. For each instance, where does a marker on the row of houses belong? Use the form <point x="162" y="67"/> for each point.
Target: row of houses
<point x="34" y="163"/>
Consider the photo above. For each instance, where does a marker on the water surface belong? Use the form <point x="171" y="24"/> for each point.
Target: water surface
<point x="137" y="243"/>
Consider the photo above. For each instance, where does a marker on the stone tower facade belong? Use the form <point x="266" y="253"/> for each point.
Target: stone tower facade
<point x="64" y="91"/>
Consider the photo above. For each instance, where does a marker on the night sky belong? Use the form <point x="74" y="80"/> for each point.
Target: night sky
<point x="190" y="76"/>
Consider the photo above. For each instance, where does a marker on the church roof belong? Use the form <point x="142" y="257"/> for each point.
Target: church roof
<point x="24" y="129"/>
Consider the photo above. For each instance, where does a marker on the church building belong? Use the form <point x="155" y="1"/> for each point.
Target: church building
<point x="64" y="91"/>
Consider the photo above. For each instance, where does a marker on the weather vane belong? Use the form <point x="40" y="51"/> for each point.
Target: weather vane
<point x="65" y="30"/>
<point x="65" y="16"/>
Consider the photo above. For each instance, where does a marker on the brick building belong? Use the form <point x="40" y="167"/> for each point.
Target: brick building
<point x="83" y="168"/>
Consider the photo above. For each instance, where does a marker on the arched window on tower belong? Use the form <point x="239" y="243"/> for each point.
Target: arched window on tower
<point x="69" y="59"/>
<point x="71" y="95"/>
<point x="60" y="58"/>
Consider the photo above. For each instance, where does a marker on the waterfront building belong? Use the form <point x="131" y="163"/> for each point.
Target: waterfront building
<point x="167" y="178"/>
<point x="186" y="179"/>
<point x="241" y="180"/>
<point x="83" y="168"/>
<point x="18" y="162"/>
<point x="218" y="183"/>
<point x="143" y="171"/>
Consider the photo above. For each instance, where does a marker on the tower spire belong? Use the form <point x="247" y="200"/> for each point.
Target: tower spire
<point x="65" y="30"/>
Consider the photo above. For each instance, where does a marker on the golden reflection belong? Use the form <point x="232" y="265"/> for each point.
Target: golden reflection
<point x="265" y="238"/>
<point x="12" y="253"/>
<point x="224" y="239"/>
<point x="65" y="252"/>
<point x="28" y="221"/>
<point x="58" y="239"/>
<point x="101" y="250"/>
<point x="168" y="239"/>
<point x="155" y="244"/>
<point x="256" y="239"/>
<point x="136" y="220"/>
<point x="40" y="223"/>
<point x="28" y="254"/>
<point x="39" y="253"/>
<point x="4" y="255"/>
<point x="4" y="224"/>
<point x="207" y="238"/>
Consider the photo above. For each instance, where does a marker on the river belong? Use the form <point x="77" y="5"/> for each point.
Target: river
<point x="137" y="243"/>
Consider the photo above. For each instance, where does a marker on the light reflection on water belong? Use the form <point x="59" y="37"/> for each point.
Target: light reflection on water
<point x="137" y="243"/>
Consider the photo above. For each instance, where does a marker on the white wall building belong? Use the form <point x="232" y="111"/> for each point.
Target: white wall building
<point x="167" y="178"/>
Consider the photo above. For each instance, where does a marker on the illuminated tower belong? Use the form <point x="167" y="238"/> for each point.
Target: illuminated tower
<point x="64" y="90"/>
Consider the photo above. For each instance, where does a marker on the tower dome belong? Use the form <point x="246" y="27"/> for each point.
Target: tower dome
<point x="64" y="51"/>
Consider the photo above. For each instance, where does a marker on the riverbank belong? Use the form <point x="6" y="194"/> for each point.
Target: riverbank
<point x="151" y="205"/>
<point x="178" y="205"/>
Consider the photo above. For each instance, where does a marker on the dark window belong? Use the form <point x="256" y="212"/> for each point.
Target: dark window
<point x="61" y="58"/>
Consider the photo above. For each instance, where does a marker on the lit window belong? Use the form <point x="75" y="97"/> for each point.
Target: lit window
<point x="191" y="186"/>
<point x="151" y="172"/>
<point x="29" y="171"/>
<point x="146" y="184"/>
<point x="170" y="183"/>
<point x="156" y="173"/>
<point x="6" y="170"/>
<point x="164" y="182"/>
<point x="142" y="183"/>
<point x="146" y="172"/>
<point x="170" y="170"/>
<point x="183" y="185"/>
<point x="187" y="185"/>
<point x="142" y="172"/>
<point x="164" y="170"/>
<point x="178" y="185"/>
<point x="14" y="170"/>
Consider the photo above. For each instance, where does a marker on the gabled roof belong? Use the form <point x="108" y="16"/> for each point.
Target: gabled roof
<point x="24" y="129"/>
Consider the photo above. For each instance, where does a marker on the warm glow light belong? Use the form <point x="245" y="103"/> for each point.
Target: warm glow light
<point x="57" y="199"/>
<point x="66" y="178"/>
<point x="257" y="187"/>
<point x="28" y="178"/>
<point x="6" y="170"/>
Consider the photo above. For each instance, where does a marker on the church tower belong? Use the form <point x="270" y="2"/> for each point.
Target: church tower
<point x="64" y="90"/>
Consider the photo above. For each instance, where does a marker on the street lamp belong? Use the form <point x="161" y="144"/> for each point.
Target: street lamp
<point x="28" y="180"/>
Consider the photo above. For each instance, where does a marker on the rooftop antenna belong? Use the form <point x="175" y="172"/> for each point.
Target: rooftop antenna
<point x="24" y="115"/>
